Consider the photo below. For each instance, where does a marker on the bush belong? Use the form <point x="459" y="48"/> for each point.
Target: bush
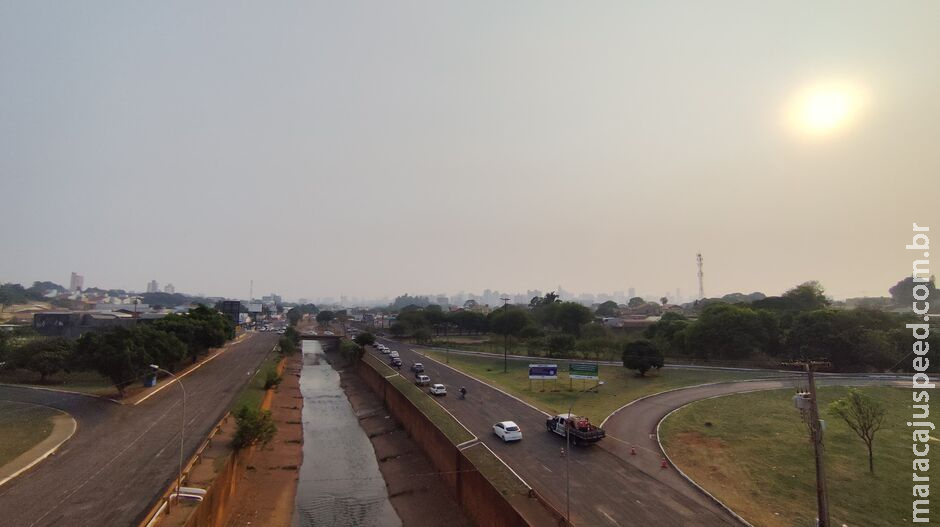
<point x="271" y="379"/>
<point x="287" y="346"/>
<point x="642" y="355"/>
<point x="254" y="427"/>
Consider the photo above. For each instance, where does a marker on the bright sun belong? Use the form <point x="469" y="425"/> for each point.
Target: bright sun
<point x="825" y="108"/>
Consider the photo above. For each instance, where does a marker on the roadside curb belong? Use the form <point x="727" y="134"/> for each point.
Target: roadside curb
<point x="70" y="392"/>
<point x="685" y="476"/>
<point x="48" y="452"/>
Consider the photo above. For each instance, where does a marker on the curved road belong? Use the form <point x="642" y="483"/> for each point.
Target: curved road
<point x="122" y="457"/>
<point x="605" y="490"/>
<point x="635" y="424"/>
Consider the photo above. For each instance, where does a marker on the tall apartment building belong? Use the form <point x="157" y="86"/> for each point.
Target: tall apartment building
<point x="153" y="287"/>
<point x="76" y="282"/>
<point x="168" y="288"/>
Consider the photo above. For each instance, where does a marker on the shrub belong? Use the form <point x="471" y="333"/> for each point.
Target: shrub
<point x="271" y="379"/>
<point x="253" y="427"/>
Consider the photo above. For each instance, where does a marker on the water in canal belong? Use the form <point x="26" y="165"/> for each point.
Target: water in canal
<point x="340" y="483"/>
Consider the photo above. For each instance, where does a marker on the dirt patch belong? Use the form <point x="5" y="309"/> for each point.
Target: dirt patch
<point x="699" y="440"/>
<point x="415" y="489"/>
<point x="265" y="495"/>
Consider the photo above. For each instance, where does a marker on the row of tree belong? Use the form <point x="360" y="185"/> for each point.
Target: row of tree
<point x="123" y="354"/>
<point x="799" y="324"/>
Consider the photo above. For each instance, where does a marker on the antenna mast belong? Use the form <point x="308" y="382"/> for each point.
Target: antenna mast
<point x="701" y="277"/>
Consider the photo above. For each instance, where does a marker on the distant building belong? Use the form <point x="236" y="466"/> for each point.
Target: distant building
<point x="153" y="287"/>
<point x="71" y="324"/>
<point x="169" y="289"/>
<point x="631" y="293"/>
<point x="231" y="309"/>
<point x="76" y="282"/>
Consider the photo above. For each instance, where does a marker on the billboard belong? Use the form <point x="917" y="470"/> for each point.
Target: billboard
<point x="582" y="370"/>
<point x="543" y="372"/>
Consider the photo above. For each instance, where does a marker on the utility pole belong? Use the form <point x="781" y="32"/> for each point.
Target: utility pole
<point x="816" y="434"/>
<point x="506" y="340"/>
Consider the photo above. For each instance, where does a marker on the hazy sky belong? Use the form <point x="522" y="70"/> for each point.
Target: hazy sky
<point x="375" y="148"/>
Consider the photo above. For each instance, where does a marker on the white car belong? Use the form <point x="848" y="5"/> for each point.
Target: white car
<point x="393" y="354"/>
<point x="385" y="350"/>
<point x="507" y="431"/>
<point x="438" y="389"/>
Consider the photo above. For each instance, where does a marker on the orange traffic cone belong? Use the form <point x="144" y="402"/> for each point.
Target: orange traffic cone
<point x="633" y="451"/>
<point x="664" y="464"/>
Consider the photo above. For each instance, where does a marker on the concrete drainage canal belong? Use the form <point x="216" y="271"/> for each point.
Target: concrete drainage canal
<point x="340" y="483"/>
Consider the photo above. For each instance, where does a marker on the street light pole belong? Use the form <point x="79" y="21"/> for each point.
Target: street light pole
<point x="568" y="454"/>
<point x="179" y="479"/>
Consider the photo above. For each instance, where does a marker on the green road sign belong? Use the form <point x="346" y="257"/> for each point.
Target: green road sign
<point x="582" y="370"/>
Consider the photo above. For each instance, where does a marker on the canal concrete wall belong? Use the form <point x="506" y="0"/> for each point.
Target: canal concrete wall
<point x="475" y="494"/>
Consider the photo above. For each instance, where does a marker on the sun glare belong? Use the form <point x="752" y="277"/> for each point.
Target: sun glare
<point x="825" y="108"/>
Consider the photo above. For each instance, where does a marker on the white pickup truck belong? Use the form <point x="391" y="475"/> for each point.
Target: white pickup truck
<point x="581" y="430"/>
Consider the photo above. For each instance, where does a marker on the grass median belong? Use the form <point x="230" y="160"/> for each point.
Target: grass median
<point x="22" y="426"/>
<point x="253" y="393"/>
<point x="752" y="452"/>
<point x="621" y="385"/>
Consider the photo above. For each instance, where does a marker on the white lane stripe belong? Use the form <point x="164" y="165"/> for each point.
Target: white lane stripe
<point x="184" y="374"/>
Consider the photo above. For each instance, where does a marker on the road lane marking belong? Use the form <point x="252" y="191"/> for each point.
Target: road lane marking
<point x="546" y="414"/>
<point x="613" y="521"/>
<point x="185" y="373"/>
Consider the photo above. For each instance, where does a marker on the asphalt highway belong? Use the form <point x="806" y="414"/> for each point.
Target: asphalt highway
<point x="604" y="489"/>
<point x="122" y="457"/>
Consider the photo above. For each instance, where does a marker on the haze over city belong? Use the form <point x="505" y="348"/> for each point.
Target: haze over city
<point x="369" y="150"/>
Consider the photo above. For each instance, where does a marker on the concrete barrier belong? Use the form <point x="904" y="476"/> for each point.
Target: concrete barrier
<point x="475" y="494"/>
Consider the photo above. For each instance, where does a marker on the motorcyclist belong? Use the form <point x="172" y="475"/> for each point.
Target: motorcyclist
<point x="463" y="392"/>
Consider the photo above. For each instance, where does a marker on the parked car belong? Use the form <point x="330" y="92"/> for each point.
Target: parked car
<point x="507" y="431"/>
<point x="417" y="367"/>
<point x="422" y="380"/>
<point x="438" y="389"/>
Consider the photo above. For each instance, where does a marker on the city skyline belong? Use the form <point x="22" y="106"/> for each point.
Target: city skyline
<point x="375" y="149"/>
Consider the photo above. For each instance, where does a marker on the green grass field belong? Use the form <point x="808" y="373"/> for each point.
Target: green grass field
<point x="620" y="384"/>
<point x="756" y="457"/>
<point x="79" y="381"/>
<point x="22" y="426"/>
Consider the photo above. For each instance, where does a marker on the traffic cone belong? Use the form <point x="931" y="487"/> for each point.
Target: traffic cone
<point x="633" y="451"/>
<point x="664" y="464"/>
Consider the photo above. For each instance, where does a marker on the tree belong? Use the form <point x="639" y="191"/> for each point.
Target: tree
<point x="253" y="427"/>
<point x="508" y="322"/>
<point x="635" y="302"/>
<point x="571" y="316"/>
<point x="398" y="329"/>
<point x="365" y="339"/>
<point x="324" y="317"/>
<point x="114" y="355"/>
<point x="727" y="332"/>
<point x="44" y="356"/>
<point x="294" y="315"/>
<point x="287" y="345"/>
<point x="606" y="309"/>
<point x="164" y="349"/>
<point x="560" y="345"/>
<point x="663" y="300"/>
<point x="11" y="294"/>
<point x="422" y="335"/>
<point x="641" y="355"/>
<point x="864" y="416"/>
<point x="808" y="296"/>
